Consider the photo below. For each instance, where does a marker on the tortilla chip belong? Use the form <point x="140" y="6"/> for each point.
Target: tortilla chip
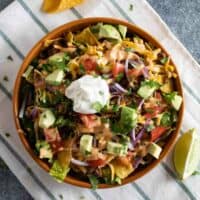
<point x="51" y="6"/>
<point x="121" y="170"/>
<point x="86" y="36"/>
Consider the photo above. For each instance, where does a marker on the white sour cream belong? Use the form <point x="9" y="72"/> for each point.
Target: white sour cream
<point x="86" y="91"/>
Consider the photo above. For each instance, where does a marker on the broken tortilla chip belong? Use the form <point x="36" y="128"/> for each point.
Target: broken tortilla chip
<point x="51" y="6"/>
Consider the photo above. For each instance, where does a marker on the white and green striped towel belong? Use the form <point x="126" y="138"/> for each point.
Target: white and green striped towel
<point x="21" y="26"/>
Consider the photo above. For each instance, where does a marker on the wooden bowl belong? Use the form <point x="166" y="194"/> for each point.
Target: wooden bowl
<point x="77" y="25"/>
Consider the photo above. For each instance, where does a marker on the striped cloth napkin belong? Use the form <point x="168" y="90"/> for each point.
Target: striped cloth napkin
<point x="21" y="26"/>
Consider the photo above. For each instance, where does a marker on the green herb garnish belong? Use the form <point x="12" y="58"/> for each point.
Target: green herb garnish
<point x="94" y="181"/>
<point x="164" y="60"/>
<point x="97" y="106"/>
<point x="128" y="49"/>
<point x="119" y="77"/>
<point x="82" y="69"/>
<point x="61" y="196"/>
<point x="166" y="119"/>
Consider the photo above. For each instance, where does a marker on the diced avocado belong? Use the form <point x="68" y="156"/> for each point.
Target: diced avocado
<point x="145" y="91"/>
<point x="86" y="144"/>
<point x="122" y="29"/>
<point x="58" y="172"/>
<point x="128" y="119"/>
<point x="46" y="119"/>
<point x="56" y="58"/>
<point x="176" y="102"/>
<point x="154" y="150"/>
<point x="109" y="31"/>
<point x="174" y="99"/>
<point x="28" y="72"/>
<point x="147" y="88"/>
<point x="56" y="77"/>
<point x="117" y="148"/>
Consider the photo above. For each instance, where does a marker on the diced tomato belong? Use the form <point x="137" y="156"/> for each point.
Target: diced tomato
<point x="52" y="134"/>
<point x="155" y="111"/>
<point x="89" y="64"/>
<point x="135" y="72"/>
<point x="158" y="96"/>
<point x="157" y="132"/>
<point x="96" y="163"/>
<point x="57" y="146"/>
<point x="53" y="137"/>
<point x="89" y="121"/>
<point x="117" y="69"/>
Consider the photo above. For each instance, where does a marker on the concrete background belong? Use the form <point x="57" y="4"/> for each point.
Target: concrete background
<point x="182" y="16"/>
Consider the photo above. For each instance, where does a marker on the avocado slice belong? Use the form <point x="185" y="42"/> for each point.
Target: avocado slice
<point x="109" y="31"/>
<point x="176" y="102"/>
<point x="123" y="30"/>
<point x="86" y="144"/>
<point x="154" y="150"/>
<point x="56" y="58"/>
<point x="117" y="148"/>
<point x="128" y="119"/>
<point x="46" y="119"/>
<point x="147" y="88"/>
<point x="56" y="77"/>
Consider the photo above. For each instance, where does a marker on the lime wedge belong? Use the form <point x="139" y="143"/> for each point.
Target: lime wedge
<point x="187" y="153"/>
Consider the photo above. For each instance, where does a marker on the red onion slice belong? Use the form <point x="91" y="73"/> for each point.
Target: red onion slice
<point x="145" y="72"/>
<point x="78" y="162"/>
<point x="140" y="104"/>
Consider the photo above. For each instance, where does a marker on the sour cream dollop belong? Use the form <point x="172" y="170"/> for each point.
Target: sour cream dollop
<point x="86" y="92"/>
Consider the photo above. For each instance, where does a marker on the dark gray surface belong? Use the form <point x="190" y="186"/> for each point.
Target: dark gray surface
<point x="182" y="16"/>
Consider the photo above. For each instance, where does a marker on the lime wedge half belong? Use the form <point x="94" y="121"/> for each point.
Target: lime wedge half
<point x="187" y="153"/>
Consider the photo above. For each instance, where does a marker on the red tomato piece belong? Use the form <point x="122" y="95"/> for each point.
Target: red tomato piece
<point x="157" y="132"/>
<point x="89" y="64"/>
<point x="52" y="135"/>
<point x="88" y="120"/>
<point x="96" y="163"/>
<point x="155" y="111"/>
<point x="117" y="69"/>
<point x="135" y="72"/>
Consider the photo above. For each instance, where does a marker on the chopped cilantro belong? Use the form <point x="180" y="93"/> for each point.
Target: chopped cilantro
<point x="128" y="49"/>
<point x="115" y="108"/>
<point x="150" y="127"/>
<point x="97" y="106"/>
<point x="170" y="96"/>
<point x="166" y="119"/>
<point x="164" y="60"/>
<point x="9" y="57"/>
<point x="119" y="77"/>
<point x="105" y="120"/>
<point x="94" y="181"/>
<point x="131" y="7"/>
<point x="82" y="69"/>
<point x="5" y="78"/>
<point x="150" y="83"/>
